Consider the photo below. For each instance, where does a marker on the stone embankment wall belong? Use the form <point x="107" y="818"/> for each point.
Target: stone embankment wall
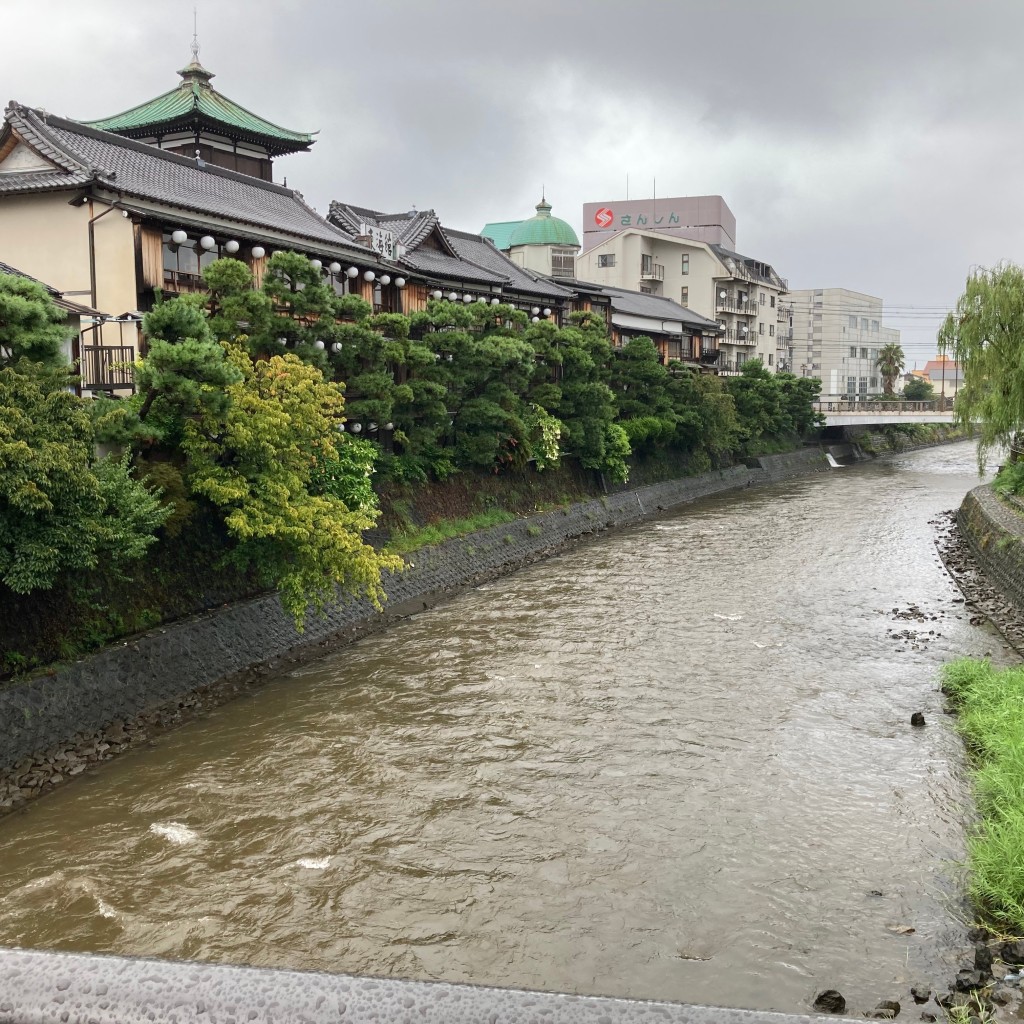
<point x="44" y="718"/>
<point x="995" y="534"/>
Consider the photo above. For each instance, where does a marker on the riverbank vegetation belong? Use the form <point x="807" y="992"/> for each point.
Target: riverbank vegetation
<point x="990" y="702"/>
<point x="270" y="424"/>
<point x="984" y="334"/>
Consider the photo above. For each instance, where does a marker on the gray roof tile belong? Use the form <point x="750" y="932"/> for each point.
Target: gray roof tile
<point x="143" y="171"/>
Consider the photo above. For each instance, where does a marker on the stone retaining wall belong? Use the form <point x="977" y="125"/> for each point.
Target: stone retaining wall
<point x="169" y="663"/>
<point x="995" y="534"/>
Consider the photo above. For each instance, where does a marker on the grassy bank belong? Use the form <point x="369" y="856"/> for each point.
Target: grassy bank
<point x="990" y="703"/>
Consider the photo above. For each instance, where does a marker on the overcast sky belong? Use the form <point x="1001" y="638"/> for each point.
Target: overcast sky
<point x="868" y="144"/>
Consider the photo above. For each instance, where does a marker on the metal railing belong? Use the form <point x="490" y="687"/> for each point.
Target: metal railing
<point x="107" y="367"/>
<point x="652" y="271"/>
<point x="730" y="304"/>
<point x="783" y="313"/>
<point x="866" y="405"/>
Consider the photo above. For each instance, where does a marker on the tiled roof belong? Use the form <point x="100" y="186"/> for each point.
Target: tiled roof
<point x="195" y="98"/>
<point x="471" y="257"/>
<point x="135" y="169"/>
<point x="482" y="252"/>
<point x="500" y="232"/>
<point x="657" y="307"/>
<point x="772" y="277"/>
<point x="58" y="297"/>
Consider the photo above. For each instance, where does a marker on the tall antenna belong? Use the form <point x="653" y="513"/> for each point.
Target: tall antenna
<point x="195" y="35"/>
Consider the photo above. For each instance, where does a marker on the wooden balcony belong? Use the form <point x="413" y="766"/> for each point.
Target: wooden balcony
<point x="107" y="367"/>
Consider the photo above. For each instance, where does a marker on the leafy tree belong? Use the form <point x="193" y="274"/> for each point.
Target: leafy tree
<point x="267" y="465"/>
<point x="890" y="363"/>
<point x="918" y="390"/>
<point x="61" y="509"/>
<point x="759" y="406"/>
<point x="985" y="334"/>
<point x="641" y="386"/>
<point x="31" y="326"/>
<point x="798" y="397"/>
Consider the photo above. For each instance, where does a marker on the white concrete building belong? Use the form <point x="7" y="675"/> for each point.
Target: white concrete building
<point x="742" y="294"/>
<point x="836" y="337"/>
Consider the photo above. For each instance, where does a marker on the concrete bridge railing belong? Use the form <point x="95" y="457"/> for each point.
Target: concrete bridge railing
<point x="870" y="408"/>
<point x="64" y="988"/>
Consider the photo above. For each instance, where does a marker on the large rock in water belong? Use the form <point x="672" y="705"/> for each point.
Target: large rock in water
<point x="830" y="1001"/>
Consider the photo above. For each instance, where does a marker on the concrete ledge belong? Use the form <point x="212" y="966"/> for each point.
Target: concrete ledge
<point x="62" y="988"/>
<point x="995" y="535"/>
<point x="164" y="666"/>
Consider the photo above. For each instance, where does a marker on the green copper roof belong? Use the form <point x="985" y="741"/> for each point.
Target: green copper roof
<point x="500" y="232"/>
<point x="543" y="229"/>
<point x="194" y="97"/>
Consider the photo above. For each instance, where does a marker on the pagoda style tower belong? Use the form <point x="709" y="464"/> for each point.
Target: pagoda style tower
<point x="196" y="120"/>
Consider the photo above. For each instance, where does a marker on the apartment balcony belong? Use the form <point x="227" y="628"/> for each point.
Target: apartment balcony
<point x="784" y="333"/>
<point x="735" y="336"/>
<point x="731" y="304"/>
<point x="107" y="367"/>
<point x="652" y="271"/>
<point x="783" y="313"/>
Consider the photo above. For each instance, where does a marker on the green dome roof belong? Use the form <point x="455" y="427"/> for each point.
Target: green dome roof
<point x="543" y="229"/>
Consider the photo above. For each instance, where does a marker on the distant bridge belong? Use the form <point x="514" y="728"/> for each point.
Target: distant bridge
<point x="839" y="413"/>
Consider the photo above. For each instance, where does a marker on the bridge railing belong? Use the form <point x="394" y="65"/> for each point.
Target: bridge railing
<point x="899" y="406"/>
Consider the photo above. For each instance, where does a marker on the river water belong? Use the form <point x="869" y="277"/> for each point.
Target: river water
<point x="674" y="763"/>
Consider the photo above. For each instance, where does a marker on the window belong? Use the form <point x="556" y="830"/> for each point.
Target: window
<point x="769" y="359"/>
<point x="606" y="260"/>
<point x="771" y="330"/>
<point x="773" y="302"/>
<point x="563" y="263"/>
<point x="863" y="353"/>
<point x="874" y="382"/>
<point x="760" y="328"/>
<point x="853" y="321"/>
<point x="183" y="265"/>
<point x="851" y="385"/>
<point x="863" y="323"/>
<point x="686" y="262"/>
<point x="646" y="289"/>
<point x="684" y="296"/>
<point x="863" y="386"/>
<point x="853" y="351"/>
<point x="874" y="326"/>
<point x="645" y="263"/>
<point x="760" y="298"/>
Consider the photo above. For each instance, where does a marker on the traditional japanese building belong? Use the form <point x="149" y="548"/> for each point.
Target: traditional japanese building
<point x="542" y="243"/>
<point x="110" y="220"/>
<point x="195" y="120"/>
<point x="440" y="262"/>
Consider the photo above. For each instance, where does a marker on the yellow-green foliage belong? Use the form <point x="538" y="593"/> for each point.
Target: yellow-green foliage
<point x="256" y="465"/>
<point x="991" y="706"/>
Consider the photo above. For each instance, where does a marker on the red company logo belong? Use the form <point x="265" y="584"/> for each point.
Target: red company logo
<point x="604" y="217"/>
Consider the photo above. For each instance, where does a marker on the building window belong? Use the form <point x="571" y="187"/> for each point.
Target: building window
<point x="183" y="265"/>
<point x="607" y="260"/>
<point x="773" y="302"/>
<point x="863" y="389"/>
<point x="863" y="353"/>
<point x="686" y="262"/>
<point x="645" y="262"/>
<point x="771" y="330"/>
<point x="760" y="328"/>
<point x="874" y="382"/>
<point x="851" y="385"/>
<point x="761" y="297"/>
<point x="646" y="290"/>
<point x="874" y="326"/>
<point x="769" y="359"/>
<point x="853" y="322"/>
<point x="853" y="351"/>
<point x="563" y="263"/>
<point x="863" y="323"/>
<point x="684" y="296"/>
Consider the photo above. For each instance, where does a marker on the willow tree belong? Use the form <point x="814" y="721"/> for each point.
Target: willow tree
<point x="985" y="335"/>
<point x="890" y="363"/>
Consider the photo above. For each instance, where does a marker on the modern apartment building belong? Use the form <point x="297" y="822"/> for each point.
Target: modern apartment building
<point x="704" y="218"/>
<point x="741" y="293"/>
<point x="836" y="335"/>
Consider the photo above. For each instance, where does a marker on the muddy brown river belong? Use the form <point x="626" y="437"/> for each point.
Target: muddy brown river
<point x="673" y="763"/>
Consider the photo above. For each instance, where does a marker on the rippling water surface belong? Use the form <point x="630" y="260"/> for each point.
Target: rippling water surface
<point x="674" y="763"/>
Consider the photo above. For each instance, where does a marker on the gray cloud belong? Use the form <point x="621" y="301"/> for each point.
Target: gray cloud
<point x="873" y="144"/>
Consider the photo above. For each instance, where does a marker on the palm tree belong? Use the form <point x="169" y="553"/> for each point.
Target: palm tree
<point x="890" y="363"/>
